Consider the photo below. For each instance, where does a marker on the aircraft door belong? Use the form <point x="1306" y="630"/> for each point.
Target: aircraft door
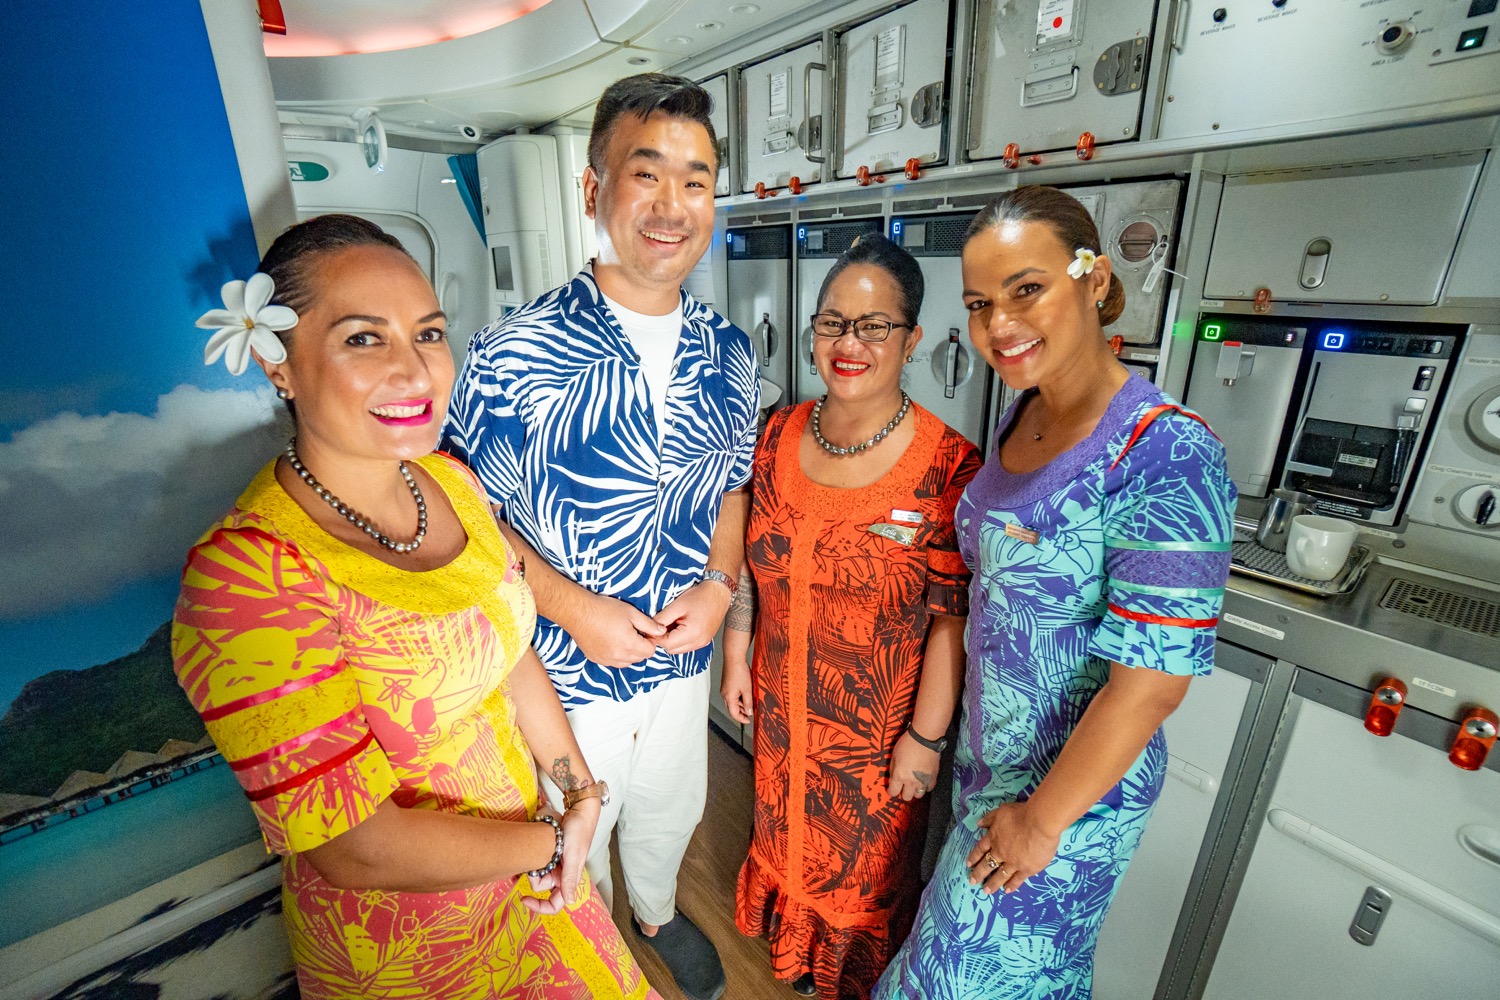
<point x="1075" y="66"/>
<point x="783" y="127"/>
<point x="893" y="90"/>
<point x="758" y="276"/>
<point x="818" y="246"/>
<point x="946" y="374"/>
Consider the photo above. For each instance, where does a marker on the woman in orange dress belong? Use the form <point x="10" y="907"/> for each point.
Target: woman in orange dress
<point x="861" y="597"/>
<point x="356" y="635"/>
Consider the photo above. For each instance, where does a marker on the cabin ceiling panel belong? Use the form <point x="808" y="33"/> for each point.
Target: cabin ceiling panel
<point x="340" y="27"/>
<point x="550" y="63"/>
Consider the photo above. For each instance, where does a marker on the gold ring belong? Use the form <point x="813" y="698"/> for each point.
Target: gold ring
<point x="991" y="859"/>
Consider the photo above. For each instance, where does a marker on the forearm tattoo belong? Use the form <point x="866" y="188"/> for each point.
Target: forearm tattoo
<point x="562" y="773"/>
<point x="741" y="616"/>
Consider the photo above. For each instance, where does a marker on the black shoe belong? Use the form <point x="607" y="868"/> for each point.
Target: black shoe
<point x="689" y="955"/>
<point x="804" y="986"/>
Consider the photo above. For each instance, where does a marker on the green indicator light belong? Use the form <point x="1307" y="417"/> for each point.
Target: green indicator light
<point x="1213" y="331"/>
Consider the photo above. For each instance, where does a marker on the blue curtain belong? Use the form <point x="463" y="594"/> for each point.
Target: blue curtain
<point x="465" y="167"/>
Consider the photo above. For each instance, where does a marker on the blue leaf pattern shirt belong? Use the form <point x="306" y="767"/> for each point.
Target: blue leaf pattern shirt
<point x="552" y="411"/>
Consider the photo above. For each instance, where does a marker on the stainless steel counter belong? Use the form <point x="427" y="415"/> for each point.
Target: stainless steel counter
<point x="1354" y="639"/>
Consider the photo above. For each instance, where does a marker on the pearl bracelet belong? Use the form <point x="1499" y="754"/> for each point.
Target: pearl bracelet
<point x="556" y="851"/>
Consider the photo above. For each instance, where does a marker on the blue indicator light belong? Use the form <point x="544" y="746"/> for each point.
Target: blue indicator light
<point x="1333" y="341"/>
<point x="896" y="228"/>
<point x="801" y="232"/>
<point x="729" y="238"/>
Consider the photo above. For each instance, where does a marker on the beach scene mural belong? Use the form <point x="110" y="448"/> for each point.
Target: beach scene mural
<point x="125" y="213"/>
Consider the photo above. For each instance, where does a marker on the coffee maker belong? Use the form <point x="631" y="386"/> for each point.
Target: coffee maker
<point x="1337" y="409"/>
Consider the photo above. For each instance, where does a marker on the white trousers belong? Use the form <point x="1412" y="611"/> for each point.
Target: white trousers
<point x="653" y="751"/>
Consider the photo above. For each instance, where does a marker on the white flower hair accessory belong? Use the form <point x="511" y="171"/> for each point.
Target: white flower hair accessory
<point x="1083" y="262"/>
<point x="246" y="321"/>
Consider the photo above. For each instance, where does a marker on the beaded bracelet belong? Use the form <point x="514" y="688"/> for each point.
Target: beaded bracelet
<point x="556" y="851"/>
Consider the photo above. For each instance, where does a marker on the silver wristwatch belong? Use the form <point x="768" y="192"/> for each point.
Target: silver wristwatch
<point x="719" y="576"/>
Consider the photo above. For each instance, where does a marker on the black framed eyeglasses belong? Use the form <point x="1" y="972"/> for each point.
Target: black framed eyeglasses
<point x="870" y="329"/>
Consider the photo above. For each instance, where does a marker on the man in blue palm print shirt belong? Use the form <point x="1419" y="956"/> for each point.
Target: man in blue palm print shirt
<point x="612" y="422"/>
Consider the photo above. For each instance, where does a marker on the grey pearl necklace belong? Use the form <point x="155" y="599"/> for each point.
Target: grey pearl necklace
<point x="353" y="516"/>
<point x="853" y="449"/>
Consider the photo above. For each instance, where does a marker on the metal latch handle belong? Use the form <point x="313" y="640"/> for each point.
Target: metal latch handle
<point x="950" y="363"/>
<point x="765" y="333"/>
<point x="807" y="72"/>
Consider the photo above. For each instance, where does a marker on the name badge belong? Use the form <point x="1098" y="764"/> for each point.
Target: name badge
<point x="905" y="534"/>
<point x="906" y="516"/>
<point x="1022" y="534"/>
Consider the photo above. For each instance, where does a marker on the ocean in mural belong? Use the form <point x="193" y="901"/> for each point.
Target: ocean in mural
<point x="118" y="447"/>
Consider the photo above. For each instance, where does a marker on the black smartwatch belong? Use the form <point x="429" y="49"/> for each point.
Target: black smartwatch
<point x="936" y="746"/>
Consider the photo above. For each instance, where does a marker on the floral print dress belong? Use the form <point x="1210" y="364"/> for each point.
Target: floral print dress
<point x="847" y="581"/>
<point x="1115" y="551"/>
<point x="332" y="681"/>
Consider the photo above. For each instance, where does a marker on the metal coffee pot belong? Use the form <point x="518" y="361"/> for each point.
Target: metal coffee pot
<point x="1276" y="519"/>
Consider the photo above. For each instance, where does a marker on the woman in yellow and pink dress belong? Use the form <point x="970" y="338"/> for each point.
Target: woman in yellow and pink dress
<point x="356" y="635"/>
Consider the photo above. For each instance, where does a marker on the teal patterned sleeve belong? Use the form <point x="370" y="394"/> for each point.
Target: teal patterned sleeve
<point x="1168" y="528"/>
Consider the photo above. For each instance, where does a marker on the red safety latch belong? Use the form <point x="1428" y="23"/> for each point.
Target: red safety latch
<point x="1012" y="155"/>
<point x="1085" y="148"/>
<point x="1385" y="704"/>
<point x="1035" y="159"/>
<point x="862" y="175"/>
<point x="1117" y="344"/>
<point x="760" y="189"/>
<point x="1476" y="735"/>
<point x="794" y="185"/>
<point x="1262" y="303"/>
<point x="913" y="169"/>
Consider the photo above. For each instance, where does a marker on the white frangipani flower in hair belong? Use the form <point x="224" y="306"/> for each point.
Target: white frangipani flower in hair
<point x="246" y="321"/>
<point x="1083" y="262"/>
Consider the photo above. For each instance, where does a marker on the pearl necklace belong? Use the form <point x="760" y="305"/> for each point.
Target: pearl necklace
<point x="880" y="435"/>
<point x="353" y="516"/>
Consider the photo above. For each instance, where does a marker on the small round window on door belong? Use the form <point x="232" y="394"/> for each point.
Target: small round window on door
<point x="1136" y="241"/>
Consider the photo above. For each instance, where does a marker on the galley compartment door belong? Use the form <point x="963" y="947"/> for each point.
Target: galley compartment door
<point x="1045" y="71"/>
<point x="1137" y="223"/>
<point x="718" y="89"/>
<point x="783" y="128"/>
<point x="893" y="88"/>
<point x="1201" y="735"/>
<point x="946" y="374"/>
<point x="818" y="246"/>
<point x="1349" y="811"/>
<point x="1373" y="232"/>
<point x="1226" y="71"/>
<point x="758" y="275"/>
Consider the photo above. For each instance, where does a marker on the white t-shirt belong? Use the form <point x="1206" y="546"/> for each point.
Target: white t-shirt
<point x="655" y="341"/>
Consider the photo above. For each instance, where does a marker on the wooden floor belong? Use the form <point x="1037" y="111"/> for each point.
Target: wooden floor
<point x="705" y="886"/>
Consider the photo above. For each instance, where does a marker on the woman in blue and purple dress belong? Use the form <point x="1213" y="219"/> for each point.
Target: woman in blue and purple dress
<point x="1099" y="536"/>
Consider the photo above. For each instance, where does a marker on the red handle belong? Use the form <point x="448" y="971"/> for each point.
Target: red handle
<point x="862" y="175"/>
<point x="1385" y="705"/>
<point x="760" y="189"/>
<point x="794" y="185"/>
<point x="1085" y="148"/>
<point x="1476" y="736"/>
<point x="913" y="169"/>
<point x="1012" y="155"/>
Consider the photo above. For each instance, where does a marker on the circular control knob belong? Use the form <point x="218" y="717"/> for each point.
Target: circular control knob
<point x="1395" y="37"/>
<point x="1220" y="15"/>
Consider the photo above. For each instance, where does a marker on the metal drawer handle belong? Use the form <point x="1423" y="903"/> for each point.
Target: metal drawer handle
<point x="1481" y="841"/>
<point x="1415" y="888"/>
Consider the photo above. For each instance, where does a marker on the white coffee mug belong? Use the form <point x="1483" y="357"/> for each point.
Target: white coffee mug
<point x="1317" y="547"/>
